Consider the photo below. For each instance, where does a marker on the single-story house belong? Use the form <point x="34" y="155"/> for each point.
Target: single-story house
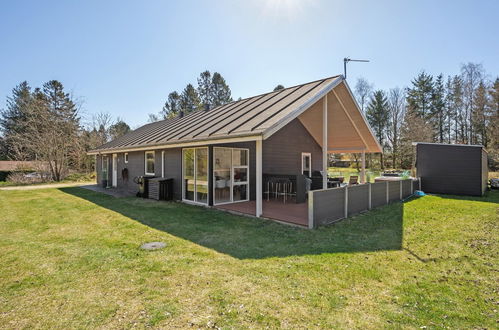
<point x="232" y="154"/>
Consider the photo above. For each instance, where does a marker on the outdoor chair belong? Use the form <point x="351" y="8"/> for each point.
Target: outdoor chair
<point x="354" y="179"/>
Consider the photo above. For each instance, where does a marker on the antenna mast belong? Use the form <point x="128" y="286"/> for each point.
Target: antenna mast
<point x="346" y="60"/>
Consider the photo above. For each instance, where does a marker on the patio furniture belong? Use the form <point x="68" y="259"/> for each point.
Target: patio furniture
<point x="354" y="179"/>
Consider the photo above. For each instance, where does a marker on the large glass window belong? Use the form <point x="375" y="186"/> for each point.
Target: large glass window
<point x="149" y="165"/>
<point x="195" y="169"/>
<point x="230" y="175"/>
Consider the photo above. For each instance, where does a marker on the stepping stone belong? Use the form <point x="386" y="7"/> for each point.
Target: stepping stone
<point x="153" y="246"/>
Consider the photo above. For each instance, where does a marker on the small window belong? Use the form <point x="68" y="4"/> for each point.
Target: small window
<point x="306" y="164"/>
<point x="126" y="157"/>
<point x="149" y="165"/>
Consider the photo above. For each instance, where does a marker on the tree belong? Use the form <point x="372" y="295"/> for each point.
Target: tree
<point x="51" y="131"/>
<point x="118" y="129"/>
<point x="457" y="109"/>
<point x="172" y="106"/>
<point x="13" y="119"/>
<point x="420" y="94"/>
<point x="472" y="74"/>
<point x="363" y="91"/>
<point x="152" y="117"/>
<point x="438" y="113"/>
<point x="493" y="128"/>
<point x="221" y="91"/>
<point x="378" y="117"/>
<point x="189" y="100"/>
<point x="396" y="109"/>
<point x="206" y="89"/>
<point x="278" y="88"/>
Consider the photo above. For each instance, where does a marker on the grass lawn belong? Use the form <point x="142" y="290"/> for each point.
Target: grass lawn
<point x="71" y="259"/>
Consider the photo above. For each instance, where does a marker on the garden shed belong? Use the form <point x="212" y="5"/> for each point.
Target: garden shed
<point x="455" y="169"/>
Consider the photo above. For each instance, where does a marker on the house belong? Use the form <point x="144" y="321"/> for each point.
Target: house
<point x="455" y="169"/>
<point x="232" y="156"/>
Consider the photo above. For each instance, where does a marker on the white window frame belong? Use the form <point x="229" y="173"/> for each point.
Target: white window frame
<point x="105" y="167"/>
<point x="309" y="163"/>
<point x="195" y="185"/>
<point x="125" y="157"/>
<point x="232" y="183"/>
<point x="145" y="162"/>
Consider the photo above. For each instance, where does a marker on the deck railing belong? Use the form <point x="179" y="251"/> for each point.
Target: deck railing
<point x="326" y="206"/>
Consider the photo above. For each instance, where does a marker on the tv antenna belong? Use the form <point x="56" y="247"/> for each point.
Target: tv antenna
<point x="348" y="59"/>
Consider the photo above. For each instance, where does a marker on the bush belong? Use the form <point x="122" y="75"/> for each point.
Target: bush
<point x="80" y="177"/>
<point x="23" y="178"/>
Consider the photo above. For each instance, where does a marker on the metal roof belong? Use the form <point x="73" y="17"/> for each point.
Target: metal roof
<point x="252" y="116"/>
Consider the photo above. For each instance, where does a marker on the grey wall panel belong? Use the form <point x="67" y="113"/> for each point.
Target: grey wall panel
<point x="98" y="168"/>
<point x="173" y="170"/>
<point x="378" y="194"/>
<point x="329" y="205"/>
<point x="485" y="171"/>
<point x="450" y="169"/>
<point x="135" y="168"/>
<point x="358" y="198"/>
<point x="282" y="151"/>
<point x="406" y="188"/>
<point x="393" y="191"/>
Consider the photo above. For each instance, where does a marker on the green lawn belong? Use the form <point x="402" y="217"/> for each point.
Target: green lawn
<point x="71" y="259"/>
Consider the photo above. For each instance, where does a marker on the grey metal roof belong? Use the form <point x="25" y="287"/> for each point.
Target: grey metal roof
<point x="246" y="117"/>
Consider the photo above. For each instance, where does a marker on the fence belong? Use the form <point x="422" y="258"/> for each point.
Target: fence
<point x="329" y="205"/>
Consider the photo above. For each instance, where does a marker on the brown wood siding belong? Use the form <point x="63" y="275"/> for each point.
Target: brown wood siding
<point x="282" y="151"/>
<point x="448" y="169"/>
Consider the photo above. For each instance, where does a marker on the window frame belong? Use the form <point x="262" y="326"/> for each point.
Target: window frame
<point x="153" y="162"/>
<point x="195" y="202"/>
<point x="309" y="154"/>
<point x="232" y="168"/>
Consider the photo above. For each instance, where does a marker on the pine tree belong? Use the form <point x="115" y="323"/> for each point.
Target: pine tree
<point x="118" y="129"/>
<point x="378" y="115"/>
<point x="189" y="100"/>
<point x="206" y="89"/>
<point x="221" y="91"/>
<point x="493" y="127"/>
<point x="13" y="119"/>
<point x="172" y="106"/>
<point x="437" y="115"/>
<point x="420" y="94"/>
<point x="457" y="102"/>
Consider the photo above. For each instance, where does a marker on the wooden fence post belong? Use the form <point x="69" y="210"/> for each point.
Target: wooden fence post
<point x="311" y="224"/>
<point x="346" y="201"/>
<point x="400" y="185"/>
<point x="387" y="192"/>
<point x="370" y="202"/>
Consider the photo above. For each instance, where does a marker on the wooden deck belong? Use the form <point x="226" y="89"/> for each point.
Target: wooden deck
<point x="273" y="209"/>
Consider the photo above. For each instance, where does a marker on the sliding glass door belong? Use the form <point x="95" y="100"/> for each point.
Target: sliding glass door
<point x="230" y="175"/>
<point x="195" y="171"/>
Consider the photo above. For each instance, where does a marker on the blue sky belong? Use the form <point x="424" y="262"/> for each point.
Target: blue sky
<point x="124" y="57"/>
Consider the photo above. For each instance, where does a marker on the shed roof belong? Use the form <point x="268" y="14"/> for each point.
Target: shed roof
<point x="259" y="115"/>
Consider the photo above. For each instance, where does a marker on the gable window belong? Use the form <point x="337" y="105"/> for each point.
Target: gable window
<point x="126" y="157"/>
<point x="149" y="163"/>
<point x="306" y="164"/>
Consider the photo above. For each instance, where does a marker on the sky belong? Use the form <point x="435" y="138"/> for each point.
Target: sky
<point x="125" y="57"/>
